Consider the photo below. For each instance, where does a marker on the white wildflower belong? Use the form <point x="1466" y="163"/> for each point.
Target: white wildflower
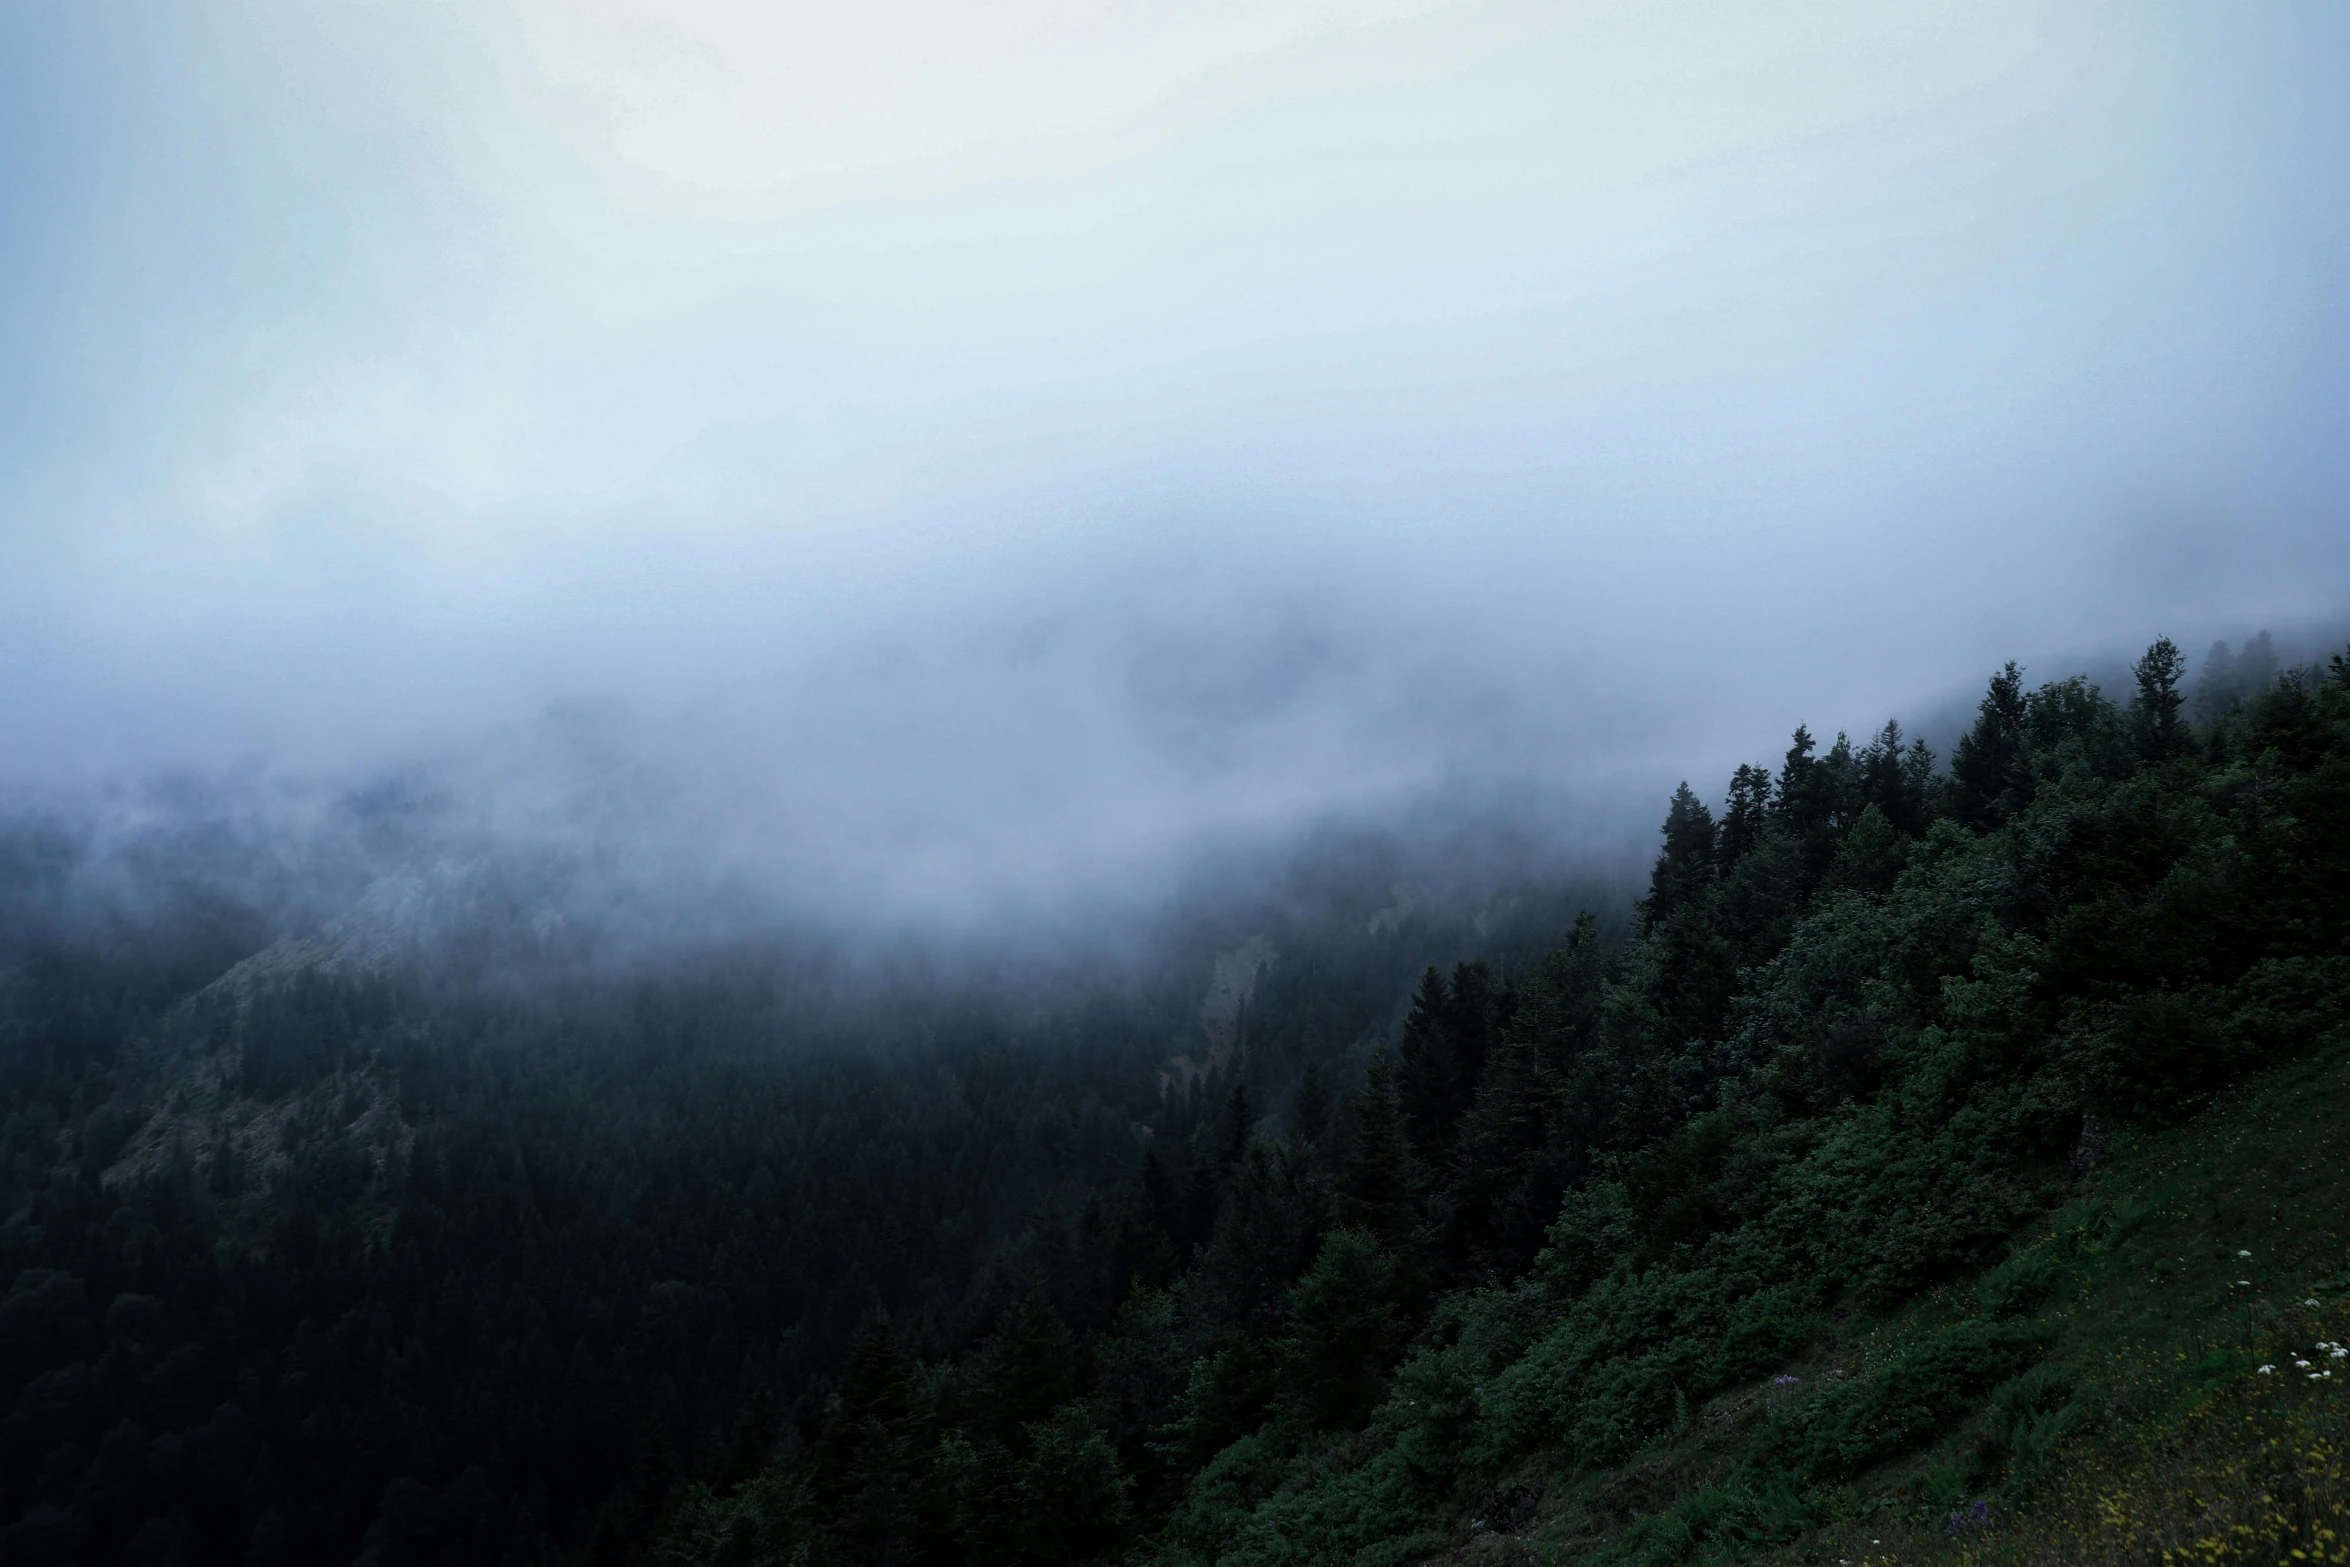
<point x="2265" y="1370"/>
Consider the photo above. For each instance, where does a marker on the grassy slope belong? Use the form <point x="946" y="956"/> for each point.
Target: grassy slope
<point x="2145" y="1433"/>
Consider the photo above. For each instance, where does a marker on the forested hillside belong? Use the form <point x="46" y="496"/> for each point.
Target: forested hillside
<point x="1667" y="1244"/>
<point x="1880" y="1020"/>
<point x="462" y="1244"/>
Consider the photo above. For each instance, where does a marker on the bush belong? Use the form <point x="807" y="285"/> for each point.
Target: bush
<point x="1837" y="1434"/>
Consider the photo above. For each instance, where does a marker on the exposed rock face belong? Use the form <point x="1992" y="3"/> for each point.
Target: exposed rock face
<point x="202" y="1109"/>
<point x="1223" y="1013"/>
<point x="1390" y="919"/>
<point x="387" y="929"/>
<point x="350" y="1116"/>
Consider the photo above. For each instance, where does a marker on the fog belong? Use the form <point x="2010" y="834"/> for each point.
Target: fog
<point x="933" y="468"/>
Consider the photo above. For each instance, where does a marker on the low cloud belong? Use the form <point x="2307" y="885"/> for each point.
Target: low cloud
<point x="937" y="485"/>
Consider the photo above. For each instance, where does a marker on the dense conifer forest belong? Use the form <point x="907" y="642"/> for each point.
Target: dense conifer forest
<point x="1761" y="1218"/>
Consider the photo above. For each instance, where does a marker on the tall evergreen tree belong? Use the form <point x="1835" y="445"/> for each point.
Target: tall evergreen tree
<point x="1146" y="1245"/>
<point x="1265" y="1234"/>
<point x="1026" y="1368"/>
<point x="1500" y="1208"/>
<point x="1309" y="1114"/>
<point x="1988" y="768"/>
<point x="1226" y="1139"/>
<point x="1428" y="1068"/>
<point x="1238" y="1126"/>
<point x="1344" y="1330"/>
<point x="2215" y="682"/>
<point x="2154" y="713"/>
<point x="2256" y="666"/>
<point x="1745" y="814"/>
<point x="864" y="1463"/>
<point x="1379" y="1175"/>
<point x="1686" y="863"/>
<point x="1802" y="801"/>
<point x="1840" y="784"/>
<point x="1919" y="784"/>
<point x="1882" y="783"/>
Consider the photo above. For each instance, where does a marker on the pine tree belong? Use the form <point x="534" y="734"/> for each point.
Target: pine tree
<point x="1217" y="1150"/>
<point x="1479" y="1008"/>
<point x="1745" y="814"/>
<point x="1142" y="1250"/>
<point x="863" y="1463"/>
<point x="1343" y="1330"/>
<point x="2215" y="684"/>
<point x="1988" y="768"/>
<point x="1501" y="1140"/>
<point x="1026" y="1368"/>
<point x="1379" y="1176"/>
<point x="2256" y="666"/>
<point x="1310" y="1109"/>
<point x="1802" y="803"/>
<point x="2155" y="711"/>
<point x="1919" y="784"/>
<point x="1272" y="1212"/>
<point x="1239" y="1125"/>
<point x="1161" y="1197"/>
<point x="1882" y="783"/>
<point x="1839" y="784"/>
<point x="1686" y="863"/>
<point x="1073" y="1497"/>
<point x="1428" y="1072"/>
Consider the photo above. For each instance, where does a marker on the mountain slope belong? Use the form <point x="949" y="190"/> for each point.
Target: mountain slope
<point x="2142" y="1429"/>
<point x="1667" y="1251"/>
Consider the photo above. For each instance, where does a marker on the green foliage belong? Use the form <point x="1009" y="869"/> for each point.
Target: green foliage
<point x="1731" y="1209"/>
<point x="1717" y="1520"/>
<point x="1838" y="1433"/>
<point x="1872" y="1023"/>
<point x="1343" y="1330"/>
<point x="2030" y="1417"/>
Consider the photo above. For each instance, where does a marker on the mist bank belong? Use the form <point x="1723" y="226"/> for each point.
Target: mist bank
<point x="407" y="883"/>
<point x="1050" y="458"/>
<point x="870" y="822"/>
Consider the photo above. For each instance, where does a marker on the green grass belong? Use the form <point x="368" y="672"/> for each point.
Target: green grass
<point x="2098" y="1393"/>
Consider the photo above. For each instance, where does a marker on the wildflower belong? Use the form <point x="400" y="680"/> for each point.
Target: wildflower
<point x="2265" y="1370"/>
<point x="2303" y="1364"/>
<point x="2311" y="1301"/>
<point x="2243" y="1284"/>
<point x="1785" y="1381"/>
<point x="2243" y="1254"/>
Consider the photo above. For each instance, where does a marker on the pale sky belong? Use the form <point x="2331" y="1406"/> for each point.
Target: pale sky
<point x="959" y="451"/>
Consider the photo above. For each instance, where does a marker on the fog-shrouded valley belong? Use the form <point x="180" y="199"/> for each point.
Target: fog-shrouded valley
<point x="1441" y="782"/>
